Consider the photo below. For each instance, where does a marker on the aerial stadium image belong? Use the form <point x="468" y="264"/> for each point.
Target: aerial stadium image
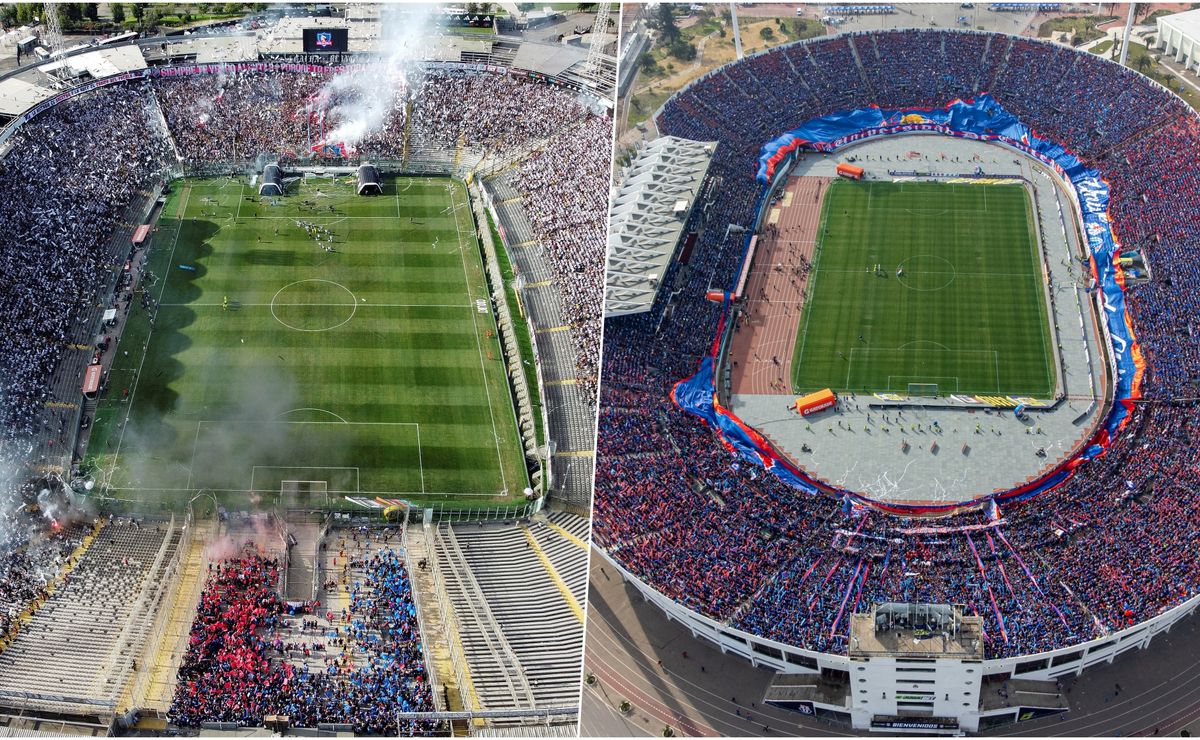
<point x="898" y="420"/>
<point x="299" y="378"/>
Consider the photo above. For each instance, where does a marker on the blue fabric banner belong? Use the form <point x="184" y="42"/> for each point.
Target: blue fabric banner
<point x="986" y="120"/>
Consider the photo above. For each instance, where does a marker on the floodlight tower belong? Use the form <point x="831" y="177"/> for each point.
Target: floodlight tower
<point x="599" y="31"/>
<point x="737" y="31"/>
<point x="52" y="38"/>
<point x="1128" y="33"/>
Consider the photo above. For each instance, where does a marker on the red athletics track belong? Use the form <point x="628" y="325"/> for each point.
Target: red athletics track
<point x="765" y="336"/>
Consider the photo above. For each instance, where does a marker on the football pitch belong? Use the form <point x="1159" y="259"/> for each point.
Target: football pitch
<point x="957" y="302"/>
<point x="371" y="370"/>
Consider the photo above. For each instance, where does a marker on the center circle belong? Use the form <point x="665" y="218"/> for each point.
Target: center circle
<point x="926" y="272"/>
<point x="313" y="305"/>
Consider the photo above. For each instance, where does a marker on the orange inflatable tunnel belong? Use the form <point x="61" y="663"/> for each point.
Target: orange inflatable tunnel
<point x="850" y="171"/>
<point x="814" y="402"/>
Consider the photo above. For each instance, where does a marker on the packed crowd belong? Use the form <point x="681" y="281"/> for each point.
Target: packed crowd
<point x="564" y="190"/>
<point x="63" y="187"/>
<point x="1113" y="546"/>
<point x="236" y="668"/>
<point x="488" y="111"/>
<point x="236" y="116"/>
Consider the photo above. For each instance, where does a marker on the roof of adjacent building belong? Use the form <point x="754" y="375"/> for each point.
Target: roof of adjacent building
<point x="649" y="211"/>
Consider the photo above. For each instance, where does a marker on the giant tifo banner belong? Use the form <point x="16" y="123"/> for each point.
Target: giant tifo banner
<point x="983" y="119"/>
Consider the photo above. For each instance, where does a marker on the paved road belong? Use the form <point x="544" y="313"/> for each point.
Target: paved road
<point x="626" y="639"/>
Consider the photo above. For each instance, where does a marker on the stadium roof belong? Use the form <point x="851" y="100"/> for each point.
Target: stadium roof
<point x="648" y="214"/>
<point x="101" y="63"/>
<point x="549" y="59"/>
<point x="1187" y="23"/>
<point x="17" y="96"/>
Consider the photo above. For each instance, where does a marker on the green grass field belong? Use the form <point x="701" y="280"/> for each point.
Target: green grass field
<point x="372" y="370"/>
<point x="968" y="313"/>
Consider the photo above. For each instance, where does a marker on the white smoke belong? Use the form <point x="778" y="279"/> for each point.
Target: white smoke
<point x="359" y="101"/>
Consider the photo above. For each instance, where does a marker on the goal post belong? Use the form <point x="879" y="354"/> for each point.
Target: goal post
<point x="928" y="390"/>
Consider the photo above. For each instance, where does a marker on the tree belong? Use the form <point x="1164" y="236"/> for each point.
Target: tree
<point x="472" y="9"/>
<point x="118" y="12"/>
<point x="684" y="51"/>
<point x="767" y="33"/>
<point x="8" y="15"/>
<point x="69" y="14"/>
<point x="139" y="12"/>
<point x="1142" y="63"/>
<point x="664" y="23"/>
<point x="91" y="11"/>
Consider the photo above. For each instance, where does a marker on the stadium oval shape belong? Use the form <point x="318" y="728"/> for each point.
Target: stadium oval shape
<point x="736" y="556"/>
<point x="981" y="119"/>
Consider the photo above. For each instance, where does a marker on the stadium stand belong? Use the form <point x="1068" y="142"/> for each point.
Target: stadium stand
<point x="252" y="654"/>
<point x="1112" y="547"/>
<point x="69" y="656"/>
<point x="519" y="625"/>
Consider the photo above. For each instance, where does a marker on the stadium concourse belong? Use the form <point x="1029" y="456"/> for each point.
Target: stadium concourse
<point x="712" y="534"/>
<point x="356" y="649"/>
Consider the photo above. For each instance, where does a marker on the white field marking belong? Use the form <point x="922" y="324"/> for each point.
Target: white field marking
<point x="944" y="272"/>
<point x="192" y="462"/>
<point x="930" y="377"/>
<point x="455" y="494"/>
<point x="353" y="305"/>
<point x="133" y="393"/>
<point x="479" y="343"/>
<point x="926" y="341"/>
<point x="280" y="421"/>
<point x="311" y="408"/>
<point x="360" y="305"/>
<point x="994" y="353"/>
<point x="357" y="474"/>
<point x="420" y="459"/>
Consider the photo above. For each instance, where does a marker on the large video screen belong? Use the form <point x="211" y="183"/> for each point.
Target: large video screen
<point x="317" y="40"/>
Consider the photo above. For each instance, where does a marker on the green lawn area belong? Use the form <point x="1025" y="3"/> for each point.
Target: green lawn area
<point x="1083" y="26"/>
<point x="521" y="326"/>
<point x="968" y="312"/>
<point x="373" y="370"/>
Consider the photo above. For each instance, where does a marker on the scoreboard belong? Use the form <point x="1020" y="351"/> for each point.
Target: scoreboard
<point x="322" y="40"/>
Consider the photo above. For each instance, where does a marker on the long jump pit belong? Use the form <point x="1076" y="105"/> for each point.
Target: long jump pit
<point x="764" y="338"/>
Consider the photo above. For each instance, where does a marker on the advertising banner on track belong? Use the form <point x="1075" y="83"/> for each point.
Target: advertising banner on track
<point x="983" y="119"/>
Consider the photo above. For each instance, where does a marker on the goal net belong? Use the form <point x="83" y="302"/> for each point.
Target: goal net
<point x="922" y="389"/>
<point x="303" y="494"/>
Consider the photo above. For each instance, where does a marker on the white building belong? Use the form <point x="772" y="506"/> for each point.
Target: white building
<point x="1179" y="37"/>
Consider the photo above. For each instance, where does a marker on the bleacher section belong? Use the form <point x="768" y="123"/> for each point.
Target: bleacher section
<point x="79" y="649"/>
<point x="516" y="590"/>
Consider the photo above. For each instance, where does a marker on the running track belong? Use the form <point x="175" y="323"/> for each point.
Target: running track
<point x="765" y="336"/>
